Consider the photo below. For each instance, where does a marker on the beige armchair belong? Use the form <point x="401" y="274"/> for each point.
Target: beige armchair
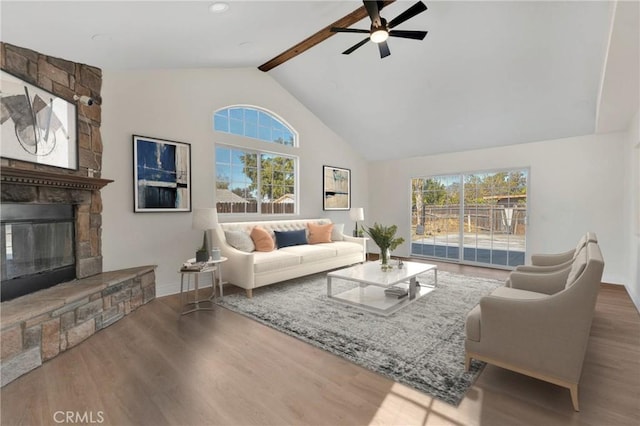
<point x="555" y="262"/>
<point x="540" y="326"/>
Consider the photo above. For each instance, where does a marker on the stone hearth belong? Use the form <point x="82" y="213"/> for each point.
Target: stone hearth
<point x="41" y="325"/>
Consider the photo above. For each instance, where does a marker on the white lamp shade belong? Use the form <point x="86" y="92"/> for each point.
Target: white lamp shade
<point x="204" y="219"/>
<point x="357" y="213"/>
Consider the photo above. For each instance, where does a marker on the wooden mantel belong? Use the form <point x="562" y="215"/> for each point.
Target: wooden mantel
<point x="42" y="178"/>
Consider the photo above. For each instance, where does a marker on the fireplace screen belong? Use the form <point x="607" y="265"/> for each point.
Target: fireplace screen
<point x="37" y="247"/>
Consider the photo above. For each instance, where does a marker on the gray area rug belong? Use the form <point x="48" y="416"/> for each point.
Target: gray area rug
<point x="421" y="345"/>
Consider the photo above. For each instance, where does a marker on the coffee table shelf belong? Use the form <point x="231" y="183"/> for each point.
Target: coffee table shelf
<point x="369" y="294"/>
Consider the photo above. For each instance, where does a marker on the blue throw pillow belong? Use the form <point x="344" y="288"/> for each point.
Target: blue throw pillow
<point x="290" y="238"/>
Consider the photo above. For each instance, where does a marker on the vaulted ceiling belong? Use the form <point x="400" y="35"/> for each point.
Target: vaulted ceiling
<point x="487" y="74"/>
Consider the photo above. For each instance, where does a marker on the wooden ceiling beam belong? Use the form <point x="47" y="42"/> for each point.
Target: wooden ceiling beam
<point x="318" y="37"/>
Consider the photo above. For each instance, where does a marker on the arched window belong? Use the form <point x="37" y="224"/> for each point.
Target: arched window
<point x="254" y="123"/>
<point x="249" y="180"/>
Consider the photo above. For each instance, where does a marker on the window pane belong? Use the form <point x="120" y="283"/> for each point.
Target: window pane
<point x="251" y="116"/>
<point x="236" y="113"/>
<point x="221" y="124"/>
<point x="223" y="155"/>
<point x="277" y="136"/>
<point x="255" y="124"/>
<point x="251" y="130"/>
<point x="236" y="127"/>
<point x="264" y="133"/>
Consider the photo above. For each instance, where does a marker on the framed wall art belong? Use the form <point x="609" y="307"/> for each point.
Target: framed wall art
<point x="36" y="126"/>
<point x="336" y="188"/>
<point x="161" y="174"/>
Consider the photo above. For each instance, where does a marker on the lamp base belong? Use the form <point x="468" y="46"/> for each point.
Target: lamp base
<point x="202" y="256"/>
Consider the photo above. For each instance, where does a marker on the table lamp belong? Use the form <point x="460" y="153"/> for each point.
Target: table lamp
<point x="204" y="219"/>
<point x="356" y="213"/>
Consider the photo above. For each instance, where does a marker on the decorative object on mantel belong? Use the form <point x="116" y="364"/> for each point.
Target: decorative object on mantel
<point x="162" y="175"/>
<point x="37" y="126"/>
<point x="385" y="239"/>
<point x="204" y="219"/>
<point x="356" y="214"/>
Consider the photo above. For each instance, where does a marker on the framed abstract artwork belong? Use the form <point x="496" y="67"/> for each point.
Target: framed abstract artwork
<point x="162" y="175"/>
<point x="336" y="188"/>
<point x="37" y="126"/>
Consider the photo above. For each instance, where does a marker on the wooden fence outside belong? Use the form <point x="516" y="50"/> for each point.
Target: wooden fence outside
<point x="480" y="217"/>
<point x="252" y="207"/>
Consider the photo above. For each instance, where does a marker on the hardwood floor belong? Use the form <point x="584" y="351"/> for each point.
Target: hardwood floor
<point x="220" y="368"/>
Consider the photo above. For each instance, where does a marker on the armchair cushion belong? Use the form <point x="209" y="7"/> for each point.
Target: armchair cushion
<point x="547" y="283"/>
<point x="472" y="326"/>
<point x="579" y="264"/>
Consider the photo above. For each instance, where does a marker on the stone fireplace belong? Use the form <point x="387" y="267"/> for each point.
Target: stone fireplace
<point x="25" y="190"/>
<point x="31" y="183"/>
<point x="40" y="325"/>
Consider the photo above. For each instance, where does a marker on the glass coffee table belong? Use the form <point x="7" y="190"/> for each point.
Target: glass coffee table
<point x="375" y="289"/>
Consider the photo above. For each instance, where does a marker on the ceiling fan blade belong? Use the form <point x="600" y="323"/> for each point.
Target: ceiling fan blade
<point x="408" y="14"/>
<point x="373" y="11"/>
<point x="415" y="35"/>
<point x="384" y="49"/>
<point x="348" y="30"/>
<point x="354" y="47"/>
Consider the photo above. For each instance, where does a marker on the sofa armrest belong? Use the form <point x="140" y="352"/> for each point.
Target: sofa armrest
<point x="360" y="240"/>
<point x="552" y="259"/>
<point x="547" y="283"/>
<point x="238" y="269"/>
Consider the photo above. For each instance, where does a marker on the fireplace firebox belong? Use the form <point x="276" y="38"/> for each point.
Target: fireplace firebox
<point x="37" y="247"/>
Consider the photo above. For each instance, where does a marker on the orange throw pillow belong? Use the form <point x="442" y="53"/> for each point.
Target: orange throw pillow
<point x="319" y="233"/>
<point x="261" y="239"/>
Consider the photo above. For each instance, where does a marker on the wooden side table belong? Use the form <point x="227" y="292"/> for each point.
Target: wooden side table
<point x="213" y="267"/>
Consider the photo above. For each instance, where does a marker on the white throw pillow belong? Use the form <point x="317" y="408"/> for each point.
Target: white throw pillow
<point x="240" y="240"/>
<point x="336" y="232"/>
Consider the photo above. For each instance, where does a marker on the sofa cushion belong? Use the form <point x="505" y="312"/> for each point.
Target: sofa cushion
<point x="262" y="239"/>
<point x="290" y="238"/>
<point x="311" y="253"/>
<point x="240" y="240"/>
<point x="273" y="260"/>
<point x="319" y="233"/>
<point x="337" y="231"/>
<point x="345" y="247"/>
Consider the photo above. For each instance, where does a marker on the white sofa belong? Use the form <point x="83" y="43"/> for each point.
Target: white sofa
<point x="257" y="269"/>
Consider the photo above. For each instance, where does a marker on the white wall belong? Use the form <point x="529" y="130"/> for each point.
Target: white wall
<point x="632" y="154"/>
<point x="178" y="105"/>
<point x="575" y="185"/>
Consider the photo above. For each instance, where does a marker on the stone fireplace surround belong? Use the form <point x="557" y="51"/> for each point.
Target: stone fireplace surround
<point x="39" y="326"/>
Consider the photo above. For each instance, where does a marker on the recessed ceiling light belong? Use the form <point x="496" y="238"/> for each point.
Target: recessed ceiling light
<point x="219" y="7"/>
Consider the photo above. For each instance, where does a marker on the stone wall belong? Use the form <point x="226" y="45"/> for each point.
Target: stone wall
<point x="40" y="326"/>
<point x="64" y="79"/>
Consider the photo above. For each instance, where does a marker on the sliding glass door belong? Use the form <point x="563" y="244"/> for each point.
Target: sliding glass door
<point x="471" y="218"/>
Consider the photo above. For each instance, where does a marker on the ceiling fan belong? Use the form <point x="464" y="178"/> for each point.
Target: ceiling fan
<point x="381" y="30"/>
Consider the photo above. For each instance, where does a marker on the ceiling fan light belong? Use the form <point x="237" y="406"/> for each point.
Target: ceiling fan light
<point x="379" y="35"/>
